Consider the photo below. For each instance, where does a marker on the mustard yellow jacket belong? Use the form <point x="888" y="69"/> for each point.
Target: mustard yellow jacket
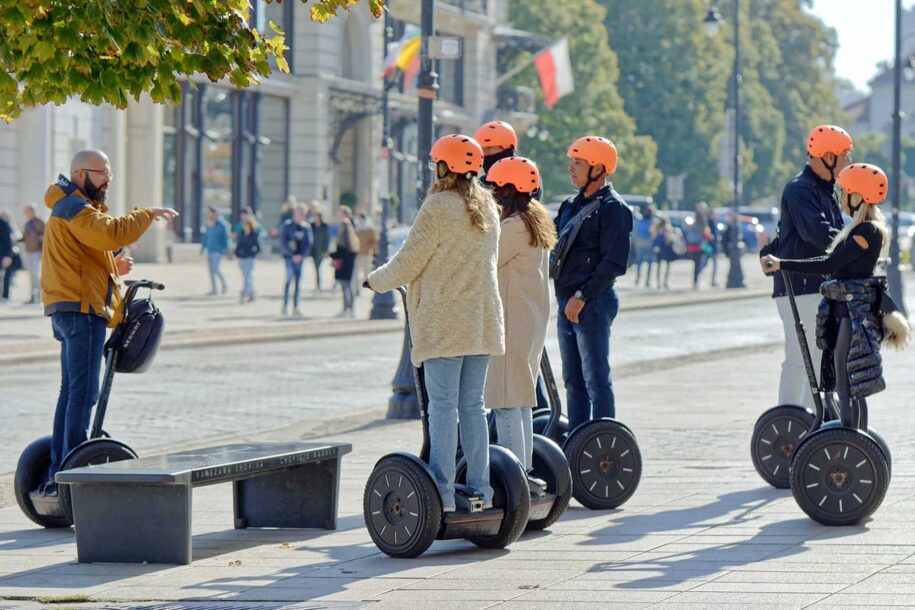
<point x="77" y="263"/>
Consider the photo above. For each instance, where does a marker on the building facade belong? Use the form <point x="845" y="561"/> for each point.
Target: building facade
<point x="314" y="134"/>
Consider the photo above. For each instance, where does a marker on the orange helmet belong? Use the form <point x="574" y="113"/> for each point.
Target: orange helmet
<point x="497" y="133"/>
<point x="866" y="180"/>
<point x="462" y="154"/>
<point x="519" y="172"/>
<point x="595" y="150"/>
<point x="828" y="139"/>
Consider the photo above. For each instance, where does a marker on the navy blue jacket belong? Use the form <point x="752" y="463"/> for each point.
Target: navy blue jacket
<point x="600" y="252"/>
<point x="810" y="219"/>
<point x="295" y="239"/>
<point x="248" y="245"/>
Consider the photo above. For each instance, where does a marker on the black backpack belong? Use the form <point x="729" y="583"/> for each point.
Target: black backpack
<point x="135" y="341"/>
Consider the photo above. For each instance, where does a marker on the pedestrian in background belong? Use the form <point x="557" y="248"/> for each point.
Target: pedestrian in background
<point x="285" y="214"/>
<point x="698" y="237"/>
<point x="667" y="239"/>
<point x="247" y="247"/>
<point x="344" y="259"/>
<point x="32" y="240"/>
<point x="644" y="250"/>
<point x="215" y="242"/>
<point x="368" y="243"/>
<point x="10" y="262"/>
<point x="714" y="244"/>
<point x="320" y="234"/>
<point x="295" y="243"/>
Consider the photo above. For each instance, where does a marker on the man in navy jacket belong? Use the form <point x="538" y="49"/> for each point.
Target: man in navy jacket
<point x="584" y="286"/>
<point x="810" y="219"/>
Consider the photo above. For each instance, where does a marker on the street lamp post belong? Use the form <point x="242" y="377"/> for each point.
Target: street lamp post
<point x="403" y="403"/>
<point x="893" y="275"/>
<point x="383" y="303"/>
<point x="712" y="23"/>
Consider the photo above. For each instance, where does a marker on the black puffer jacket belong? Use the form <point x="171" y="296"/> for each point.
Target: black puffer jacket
<point x="865" y="365"/>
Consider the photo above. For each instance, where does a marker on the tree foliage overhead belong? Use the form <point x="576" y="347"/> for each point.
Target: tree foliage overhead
<point x="594" y="108"/>
<point x="677" y="82"/>
<point x="105" y="52"/>
<point x="674" y="83"/>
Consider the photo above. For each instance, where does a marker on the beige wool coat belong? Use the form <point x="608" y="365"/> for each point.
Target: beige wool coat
<point x="449" y="268"/>
<point x="525" y="292"/>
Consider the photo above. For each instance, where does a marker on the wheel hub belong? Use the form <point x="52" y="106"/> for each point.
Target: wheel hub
<point x="784" y="446"/>
<point x="838" y="478"/>
<point x="394" y="508"/>
<point x="606" y="465"/>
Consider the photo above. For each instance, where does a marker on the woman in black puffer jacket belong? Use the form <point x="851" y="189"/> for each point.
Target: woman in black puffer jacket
<point x="856" y="314"/>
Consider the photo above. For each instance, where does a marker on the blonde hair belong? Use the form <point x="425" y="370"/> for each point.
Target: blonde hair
<point x="476" y="198"/>
<point x="866" y="212"/>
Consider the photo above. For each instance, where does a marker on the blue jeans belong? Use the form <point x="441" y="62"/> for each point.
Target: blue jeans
<point x="247" y="270"/>
<point x="213" y="261"/>
<point x="293" y="274"/>
<point x="585" y="349"/>
<point x="82" y="337"/>
<point x="455" y="386"/>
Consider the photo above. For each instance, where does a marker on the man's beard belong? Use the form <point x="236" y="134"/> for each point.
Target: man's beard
<point x="92" y="191"/>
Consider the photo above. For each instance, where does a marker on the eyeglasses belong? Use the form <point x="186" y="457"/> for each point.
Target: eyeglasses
<point x="108" y="173"/>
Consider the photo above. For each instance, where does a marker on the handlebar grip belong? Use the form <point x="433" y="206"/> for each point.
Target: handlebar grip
<point x="157" y="286"/>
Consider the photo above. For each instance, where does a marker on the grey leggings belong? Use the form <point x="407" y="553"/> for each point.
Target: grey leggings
<point x="850" y="409"/>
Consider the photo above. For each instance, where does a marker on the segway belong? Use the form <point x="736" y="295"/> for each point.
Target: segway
<point x="402" y="508"/>
<point x="603" y="454"/>
<point x="780" y="430"/>
<point x="839" y="473"/>
<point x="130" y="348"/>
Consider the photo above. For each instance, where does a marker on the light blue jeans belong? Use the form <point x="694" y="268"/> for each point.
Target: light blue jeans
<point x="213" y="261"/>
<point x="247" y="270"/>
<point x="515" y="430"/>
<point x="455" y="386"/>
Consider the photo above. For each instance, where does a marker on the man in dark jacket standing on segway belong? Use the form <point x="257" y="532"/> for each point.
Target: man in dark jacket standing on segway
<point x="810" y="219"/>
<point x="81" y="268"/>
<point x="595" y="229"/>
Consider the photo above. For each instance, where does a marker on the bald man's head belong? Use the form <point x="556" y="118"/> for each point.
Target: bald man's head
<point x="90" y="170"/>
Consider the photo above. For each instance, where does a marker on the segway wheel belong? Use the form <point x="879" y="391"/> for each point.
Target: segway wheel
<point x="550" y="464"/>
<point x="540" y="422"/>
<point x="606" y="464"/>
<point x="881" y="442"/>
<point x="776" y="435"/>
<point x="505" y="474"/>
<point x="31" y="472"/>
<point x="839" y="476"/>
<point x="91" y="453"/>
<point x="401" y="507"/>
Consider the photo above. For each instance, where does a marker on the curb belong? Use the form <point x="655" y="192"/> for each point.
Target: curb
<point x="321" y="329"/>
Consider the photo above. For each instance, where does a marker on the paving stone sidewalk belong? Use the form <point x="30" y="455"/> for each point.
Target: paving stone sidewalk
<point x="702" y="530"/>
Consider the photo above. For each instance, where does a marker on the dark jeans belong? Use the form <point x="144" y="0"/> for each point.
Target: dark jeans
<point x="317" y="261"/>
<point x="293" y="274"/>
<point x="585" y="349"/>
<point x="8" y="275"/>
<point x="82" y="337"/>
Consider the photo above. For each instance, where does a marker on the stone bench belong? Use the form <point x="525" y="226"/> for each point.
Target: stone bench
<point x="140" y="510"/>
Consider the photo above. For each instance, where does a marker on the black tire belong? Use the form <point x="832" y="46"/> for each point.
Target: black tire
<point x="881" y="442"/>
<point x="603" y="456"/>
<point x="91" y="453"/>
<point x="839" y="476"/>
<point x="31" y="472"/>
<point x="401" y="499"/>
<point x="540" y="422"/>
<point x="776" y="435"/>
<point x="550" y="464"/>
<point x="501" y="474"/>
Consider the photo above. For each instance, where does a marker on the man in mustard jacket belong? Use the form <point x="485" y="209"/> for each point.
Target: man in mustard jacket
<point x="80" y="274"/>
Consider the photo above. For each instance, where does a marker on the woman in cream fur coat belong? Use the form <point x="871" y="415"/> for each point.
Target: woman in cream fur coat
<point x="448" y="262"/>
<point x="528" y="234"/>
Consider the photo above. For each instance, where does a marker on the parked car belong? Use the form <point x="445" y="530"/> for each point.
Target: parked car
<point x="752" y="230"/>
<point x="766" y="217"/>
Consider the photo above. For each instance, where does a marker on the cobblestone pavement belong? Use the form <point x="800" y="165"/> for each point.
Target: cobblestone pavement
<point x="702" y="531"/>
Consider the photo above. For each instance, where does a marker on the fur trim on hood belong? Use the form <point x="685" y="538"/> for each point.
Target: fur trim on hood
<point x="896" y="331"/>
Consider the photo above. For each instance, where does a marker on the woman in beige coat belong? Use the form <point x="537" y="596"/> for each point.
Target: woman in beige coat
<point x="449" y="262"/>
<point x="528" y="234"/>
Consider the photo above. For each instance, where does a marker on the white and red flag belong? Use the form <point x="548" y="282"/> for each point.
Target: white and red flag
<point x="555" y="70"/>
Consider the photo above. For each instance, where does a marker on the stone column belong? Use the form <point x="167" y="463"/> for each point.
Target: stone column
<point x="143" y="176"/>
